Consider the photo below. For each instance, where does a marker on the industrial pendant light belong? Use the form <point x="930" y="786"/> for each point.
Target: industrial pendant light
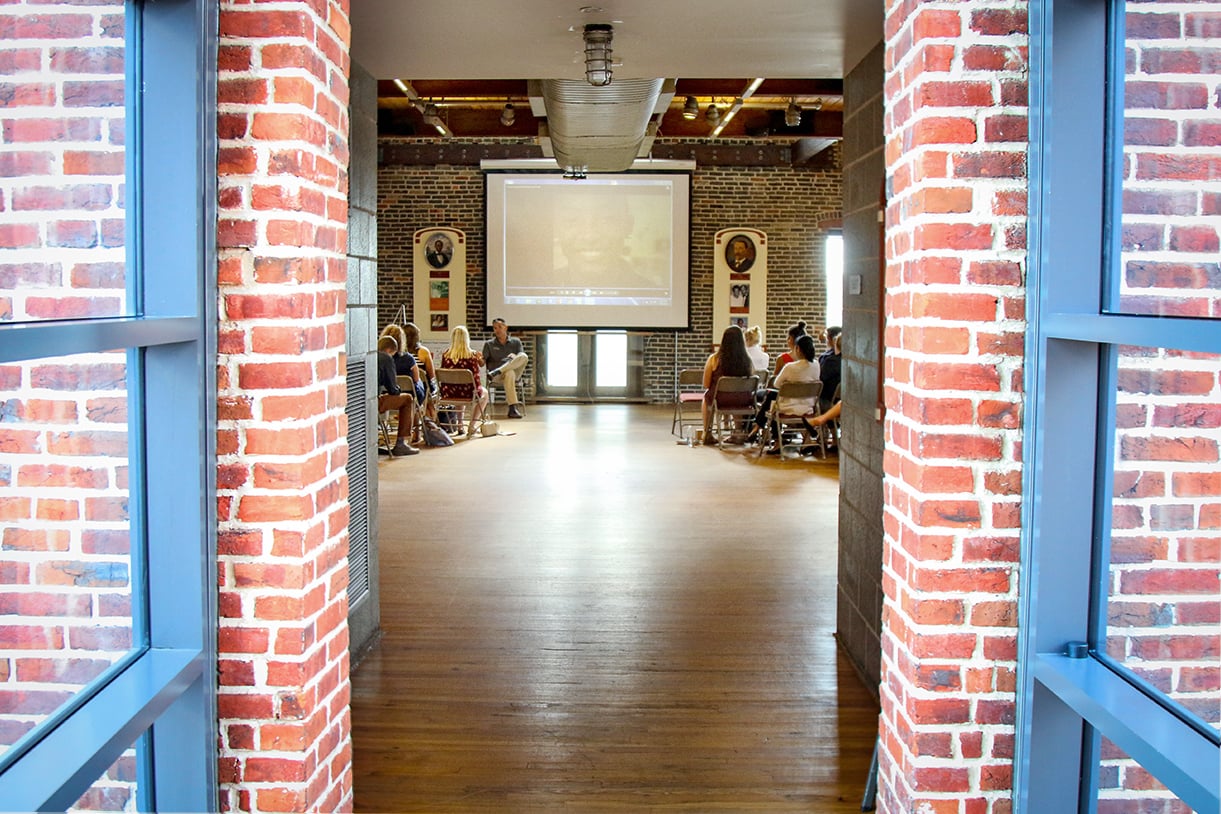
<point x="598" y="53"/>
<point x="792" y="114"/>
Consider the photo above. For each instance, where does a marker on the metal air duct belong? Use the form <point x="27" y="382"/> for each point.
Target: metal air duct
<point x="600" y="128"/>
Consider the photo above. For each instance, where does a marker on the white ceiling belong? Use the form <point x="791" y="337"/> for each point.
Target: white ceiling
<point x="540" y="39"/>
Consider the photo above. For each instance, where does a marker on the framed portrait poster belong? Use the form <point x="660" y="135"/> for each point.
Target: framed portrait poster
<point x="739" y="294"/>
<point x="439" y="281"/>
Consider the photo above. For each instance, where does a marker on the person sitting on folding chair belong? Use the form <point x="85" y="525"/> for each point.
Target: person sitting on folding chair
<point x="730" y="359"/>
<point x="390" y="397"/>
<point x="802" y="369"/>
<point x="459" y="355"/>
<point x="506" y="359"/>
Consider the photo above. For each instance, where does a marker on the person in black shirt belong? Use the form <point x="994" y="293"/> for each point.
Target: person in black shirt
<point x="390" y="397"/>
<point x="829" y="369"/>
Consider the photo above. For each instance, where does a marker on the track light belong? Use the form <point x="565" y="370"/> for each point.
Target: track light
<point x="508" y="115"/>
<point x="792" y="114"/>
<point x="691" y="108"/>
<point x="712" y="114"/>
<point x="598" y="53"/>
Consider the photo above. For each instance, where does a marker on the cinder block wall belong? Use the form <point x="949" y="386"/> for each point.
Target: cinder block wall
<point x="788" y="203"/>
<point x="285" y="741"/>
<point x="858" y="615"/>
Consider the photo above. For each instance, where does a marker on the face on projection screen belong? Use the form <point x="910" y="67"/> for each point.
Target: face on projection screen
<point x="607" y="251"/>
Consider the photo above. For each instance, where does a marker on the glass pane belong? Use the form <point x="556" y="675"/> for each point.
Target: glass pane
<point x="561" y="359"/>
<point x="1164" y="612"/>
<point x="65" y="560"/>
<point x="115" y="790"/>
<point x="1123" y="786"/>
<point x="611" y="352"/>
<point x="62" y="163"/>
<point x="1171" y="178"/>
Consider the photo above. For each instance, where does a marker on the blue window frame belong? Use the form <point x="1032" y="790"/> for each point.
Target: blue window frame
<point x="162" y="696"/>
<point x="1075" y="695"/>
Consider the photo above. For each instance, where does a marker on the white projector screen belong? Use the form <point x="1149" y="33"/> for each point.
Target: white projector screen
<point x="606" y="251"/>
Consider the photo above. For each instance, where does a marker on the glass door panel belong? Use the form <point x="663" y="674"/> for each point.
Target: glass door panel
<point x="561" y="368"/>
<point x="590" y="365"/>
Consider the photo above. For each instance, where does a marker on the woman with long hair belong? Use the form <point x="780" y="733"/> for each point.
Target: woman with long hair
<point x="404" y="361"/>
<point x="729" y="359"/>
<point x="460" y="355"/>
<point x="802" y="369"/>
<point x="423" y="358"/>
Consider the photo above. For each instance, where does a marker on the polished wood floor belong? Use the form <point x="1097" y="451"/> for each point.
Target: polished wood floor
<point x="585" y="616"/>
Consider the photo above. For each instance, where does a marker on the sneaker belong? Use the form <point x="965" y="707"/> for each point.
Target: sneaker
<point x="403" y="448"/>
<point x="514" y="411"/>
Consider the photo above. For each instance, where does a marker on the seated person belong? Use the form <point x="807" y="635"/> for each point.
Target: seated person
<point x="803" y="369"/>
<point x="730" y="359"/>
<point x="404" y="363"/>
<point x="505" y="358"/>
<point x="815" y="424"/>
<point x="390" y="397"/>
<point x="789" y="355"/>
<point x="762" y="362"/>
<point x="829" y="369"/>
<point x="423" y="356"/>
<point x="822" y="419"/>
<point x="459" y="355"/>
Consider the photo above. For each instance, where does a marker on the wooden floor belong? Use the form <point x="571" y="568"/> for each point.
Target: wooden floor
<point x="585" y="616"/>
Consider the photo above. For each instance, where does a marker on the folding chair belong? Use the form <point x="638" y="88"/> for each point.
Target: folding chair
<point x="386" y="429"/>
<point x="407" y="385"/>
<point x="456" y="381"/>
<point x="688" y="400"/>
<point x="493" y="386"/>
<point x="732" y="402"/>
<point x="806" y="391"/>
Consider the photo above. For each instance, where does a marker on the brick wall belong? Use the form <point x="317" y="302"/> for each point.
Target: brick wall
<point x="787" y="203"/>
<point x="65" y="562"/>
<point x="955" y="149"/>
<point x="285" y="743"/>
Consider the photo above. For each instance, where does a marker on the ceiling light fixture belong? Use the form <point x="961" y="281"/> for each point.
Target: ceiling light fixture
<point x="508" y="115"/>
<point x="735" y="106"/>
<point x="598" y="53"/>
<point x="432" y="117"/>
<point x="792" y="114"/>
<point x="713" y="113"/>
<point x="691" y="108"/>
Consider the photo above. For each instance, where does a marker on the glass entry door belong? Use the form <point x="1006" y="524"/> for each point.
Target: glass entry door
<point x="590" y="365"/>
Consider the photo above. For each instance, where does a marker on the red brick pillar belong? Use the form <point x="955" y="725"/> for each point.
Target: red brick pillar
<point x="956" y="169"/>
<point x="285" y="740"/>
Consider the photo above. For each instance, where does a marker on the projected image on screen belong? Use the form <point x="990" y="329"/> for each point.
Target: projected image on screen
<point x="607" y="251"/>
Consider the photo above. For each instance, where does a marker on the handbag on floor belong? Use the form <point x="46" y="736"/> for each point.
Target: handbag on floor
<point x="434" y="436"/>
